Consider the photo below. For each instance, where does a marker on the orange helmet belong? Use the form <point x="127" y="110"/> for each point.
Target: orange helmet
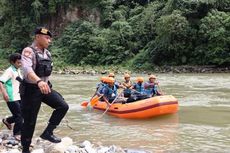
<point x="140" y="79"/>
<point x="126" y="75"/>
<point x="111" y="75"/>
<point x="109" y="80"/>
<point x="152" y="77"/>
<point x="103" y="78"/>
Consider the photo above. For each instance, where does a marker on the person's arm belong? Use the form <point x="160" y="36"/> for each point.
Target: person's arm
<point x="127" y="85"/>
<point x="106" y="100"/>
<point x="7" y="75"/>
<point x="43" y="86"/>
<point x="159" y="93"/>
<point x="133" y="86"/>
<point x="27" y="62"/>
<point x="123" y="85"/>
<point x="99" y="91"/>
<point x="104" y="93"/>
<point x="156" y="91"/>
<point x="4" y="93"/>
<point x="148" y="85"/>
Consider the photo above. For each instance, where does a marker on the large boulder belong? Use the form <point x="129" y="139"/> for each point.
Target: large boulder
<point x="59" y="147"/>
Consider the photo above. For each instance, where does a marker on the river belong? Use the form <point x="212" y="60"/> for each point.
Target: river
<point x="202" y="123"/>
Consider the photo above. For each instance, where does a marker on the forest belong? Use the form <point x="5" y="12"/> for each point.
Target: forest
<point x="134" y="33"/>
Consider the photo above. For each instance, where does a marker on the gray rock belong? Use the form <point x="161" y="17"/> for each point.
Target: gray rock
<point x="5" y="136"/>
<point x="72" y="149"/>
<point x="116" y="149"/>
<point x="13" y="151"/>
<point x="102" y="149"/>
<point x="13" y="142"/>
<point x="60" y="147"/>
<point x="85" y="143"/>
<point x="38" y="151"/>
<point x="2" y="150"/>
<point x="135" y="151"/>
<point x="9" y="145"/>
<point x="15" y="147"/>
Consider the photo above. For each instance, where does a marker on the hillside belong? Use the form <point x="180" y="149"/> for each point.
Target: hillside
<point x="133" y="33"/>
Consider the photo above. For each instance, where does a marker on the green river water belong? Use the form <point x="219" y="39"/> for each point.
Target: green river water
<point x="202" y="123"/>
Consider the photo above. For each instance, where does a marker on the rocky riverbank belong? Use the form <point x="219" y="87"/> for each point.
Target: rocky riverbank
<point x="163" y="69"/>
<point x="90" y="70"/>
<point x="8" y="144"/>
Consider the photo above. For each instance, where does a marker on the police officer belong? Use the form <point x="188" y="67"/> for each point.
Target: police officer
<point x="36" y="88"/>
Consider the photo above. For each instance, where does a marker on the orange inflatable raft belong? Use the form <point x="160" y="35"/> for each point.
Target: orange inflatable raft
<point x="145" y="108"/>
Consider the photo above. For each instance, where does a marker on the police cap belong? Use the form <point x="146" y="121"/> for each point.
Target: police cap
<point x="43" y="31"/>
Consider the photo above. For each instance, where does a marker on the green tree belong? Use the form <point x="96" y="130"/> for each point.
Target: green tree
<point x="172" y="41"/>
<point x="214" y="39"/>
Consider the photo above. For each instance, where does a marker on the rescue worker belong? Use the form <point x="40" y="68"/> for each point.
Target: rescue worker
<point x="36" y="88"/>
<point x="100" y="85"/>
<point x="139" y="85"/>
<point x="110" y="92"/>
<point x="139" y="92"/>
<point x="9" y="86"/>
<point x="151" y="86"/>
<point x="127" y="84"/>
<point x="118" y="84"/>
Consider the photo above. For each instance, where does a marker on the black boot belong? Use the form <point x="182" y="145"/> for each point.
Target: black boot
<point x="48" y="134"/>
<point x="25" y="150"/>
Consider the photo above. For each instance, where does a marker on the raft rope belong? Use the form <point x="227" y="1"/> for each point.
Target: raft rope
<point x="65" y="119"/>
<point x="67" y="124"/>
<point x="1" y="126"/>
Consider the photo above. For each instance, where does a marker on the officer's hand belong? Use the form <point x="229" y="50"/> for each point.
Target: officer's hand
<point x="44" y="87"/>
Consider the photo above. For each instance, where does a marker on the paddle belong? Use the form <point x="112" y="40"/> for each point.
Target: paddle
<point x="160" y="88"/>
<point x="95" y="99"/>
<point x="92" y="102"/>
<point x="85" y="103"/>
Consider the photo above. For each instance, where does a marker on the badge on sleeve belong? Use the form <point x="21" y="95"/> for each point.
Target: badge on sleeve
<point x="27" y="53"/>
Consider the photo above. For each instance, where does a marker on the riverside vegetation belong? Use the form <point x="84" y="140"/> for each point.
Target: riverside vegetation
<point x="137" y="34"/>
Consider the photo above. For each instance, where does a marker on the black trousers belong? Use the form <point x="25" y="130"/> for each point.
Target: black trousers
<point x="31" y="101"/>
<point x="16" y="118"/>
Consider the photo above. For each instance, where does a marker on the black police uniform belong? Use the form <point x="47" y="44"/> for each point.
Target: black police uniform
<point x="32" y="97"/>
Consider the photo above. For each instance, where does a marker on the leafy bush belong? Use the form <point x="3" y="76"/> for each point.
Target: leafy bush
<point x="214" y="39"/>
<point x="137" y="33"/>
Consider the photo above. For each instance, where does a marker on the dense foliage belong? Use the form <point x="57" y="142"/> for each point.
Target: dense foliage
<point x="18" y="20"/>
<point x="140" y="33"/>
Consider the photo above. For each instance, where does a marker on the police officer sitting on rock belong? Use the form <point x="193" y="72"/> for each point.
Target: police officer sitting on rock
<point x="37" y="67"/>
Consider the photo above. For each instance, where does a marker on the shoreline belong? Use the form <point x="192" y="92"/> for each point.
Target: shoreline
<point x="8" y="144"/>
<point x="121" y="70"/>
<point x="102" y="70"/>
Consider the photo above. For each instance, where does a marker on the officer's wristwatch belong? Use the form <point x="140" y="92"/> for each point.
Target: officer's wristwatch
<point x="38" y="81"/>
